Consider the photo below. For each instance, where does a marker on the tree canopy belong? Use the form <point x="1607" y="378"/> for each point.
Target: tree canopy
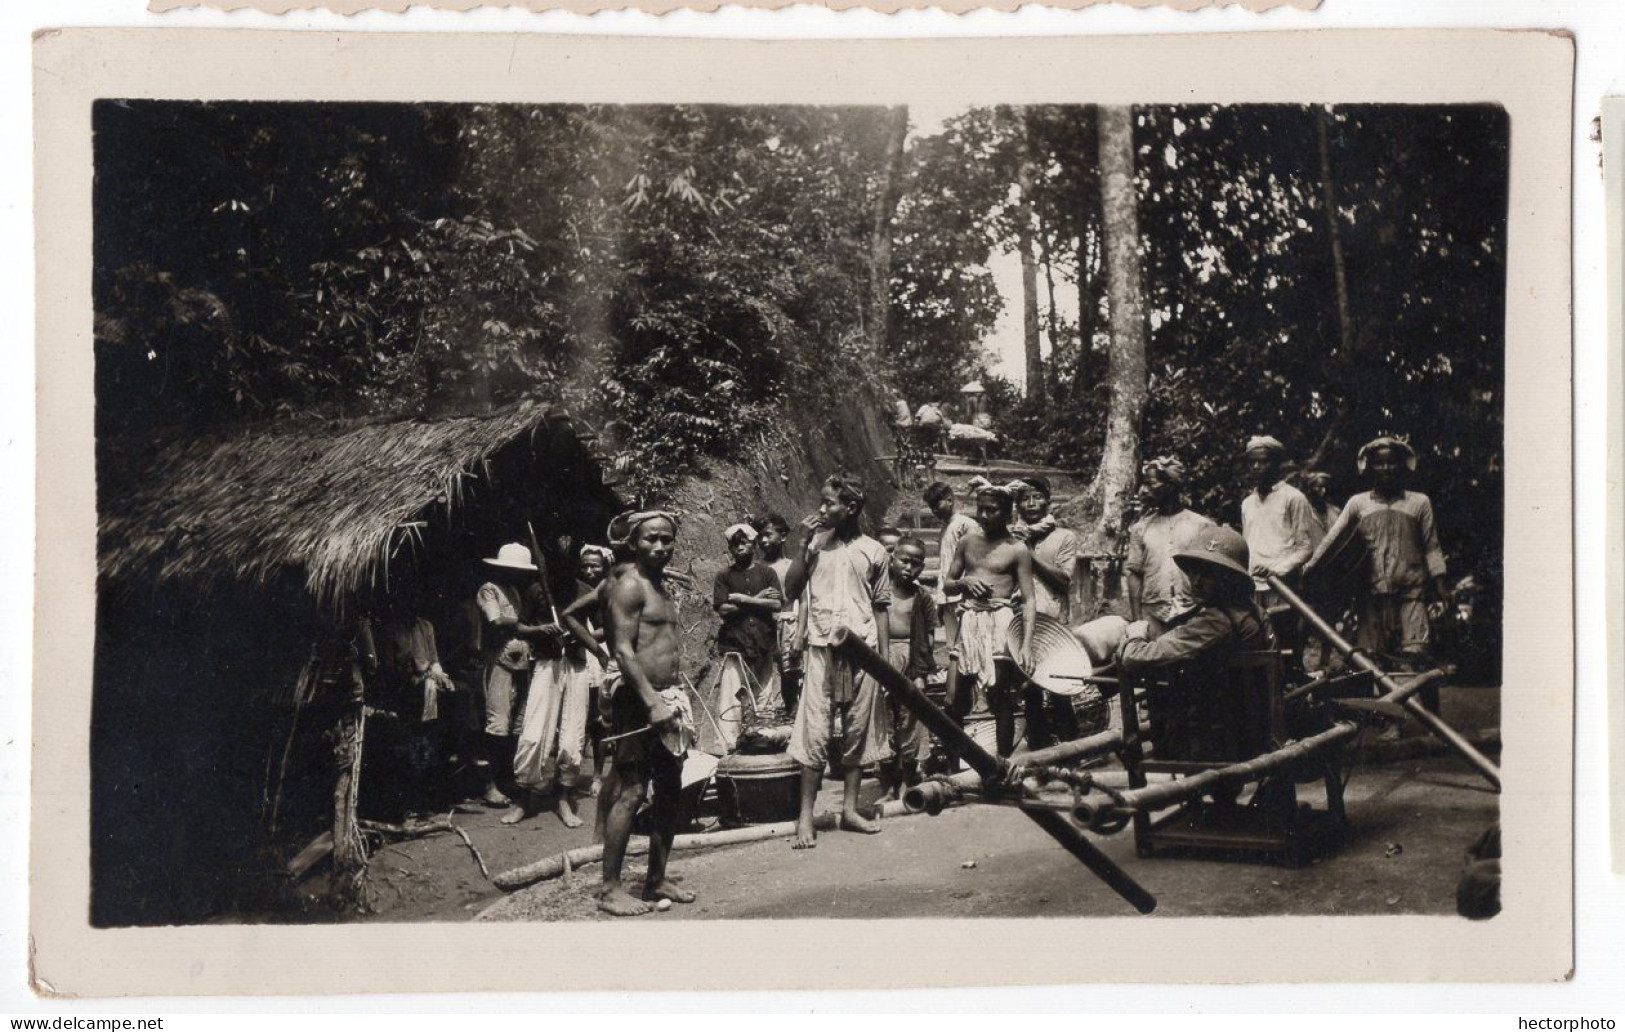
<point x="679" y="274"/>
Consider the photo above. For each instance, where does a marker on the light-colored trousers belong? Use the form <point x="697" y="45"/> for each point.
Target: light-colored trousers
<point x="553" y="736"/>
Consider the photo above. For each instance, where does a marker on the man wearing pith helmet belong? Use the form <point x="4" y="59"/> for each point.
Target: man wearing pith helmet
<point x="1225" y="619"/>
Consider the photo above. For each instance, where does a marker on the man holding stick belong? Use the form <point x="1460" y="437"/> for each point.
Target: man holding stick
<point x="646" y="728"/>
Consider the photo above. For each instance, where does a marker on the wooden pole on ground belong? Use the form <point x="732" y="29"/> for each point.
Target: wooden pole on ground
<point x="993" y="770"/>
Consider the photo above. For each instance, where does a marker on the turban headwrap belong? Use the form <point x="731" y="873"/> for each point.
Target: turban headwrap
<point x="737" y="529"/>
<point x="1167" y="467"/>
<point x="1362" y="458"/>
<point x="1265" y="443"/>
<point x="629" y="522"/>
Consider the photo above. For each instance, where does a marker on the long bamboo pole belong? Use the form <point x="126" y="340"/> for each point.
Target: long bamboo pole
<point x="554" y="866"/>
<point x="1100" y="813"/>
<point x="993" y="770"/>
<point x="1393" y="690"/>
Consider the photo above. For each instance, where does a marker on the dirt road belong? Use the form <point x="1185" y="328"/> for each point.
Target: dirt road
<point x="1412" y="823"/>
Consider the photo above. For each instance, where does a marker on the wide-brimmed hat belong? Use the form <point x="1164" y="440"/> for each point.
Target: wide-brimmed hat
<point x="1220" y="547"/>
<point x="512" y="556"/>
<point x="1363" y="457"/>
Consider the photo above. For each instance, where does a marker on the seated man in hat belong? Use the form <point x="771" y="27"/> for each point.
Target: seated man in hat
<point x="1406" y="561"/>
<point x="994" y="572"/>
<point x="1224" y="619"/>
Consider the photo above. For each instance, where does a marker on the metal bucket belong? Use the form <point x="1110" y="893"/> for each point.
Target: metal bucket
<point x="760" y="789"/>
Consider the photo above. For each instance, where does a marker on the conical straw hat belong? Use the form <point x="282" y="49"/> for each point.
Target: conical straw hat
<point x="1060" y="664"/>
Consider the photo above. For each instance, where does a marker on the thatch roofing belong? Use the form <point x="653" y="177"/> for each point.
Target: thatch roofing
<point x="330" y="500"/>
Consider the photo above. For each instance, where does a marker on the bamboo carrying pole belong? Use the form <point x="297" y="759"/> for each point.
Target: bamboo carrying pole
<point x="1394" y="691"/>
<point x="932" y="796"/>
<point x="556" y="865"/>
<point x="1103" y="814"/>
<point x="992" y="769"/>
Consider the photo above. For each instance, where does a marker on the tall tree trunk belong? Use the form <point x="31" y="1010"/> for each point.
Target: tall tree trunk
<point x="880" y="244"/>
<point x="1047" y="259"/>
<point x="1345" y="324"/>
<point x="1107" y="499"/>
<point x="1029" y="279"/>
<point x="1088" y="313"/>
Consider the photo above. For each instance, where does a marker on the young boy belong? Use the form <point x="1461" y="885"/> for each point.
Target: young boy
<point x="1406" y="560"/>
<point x="774" y="534"/>
<point x="888" y="538"/>
<point x="747" y="595"/>
<point x="846" y="577"/>
<point x="912" y="622"/>
<point x="1157" y="588"/>
<point x="994" y="572"/>
<point x="939" y="498"/>
<point x="648" y="711"/>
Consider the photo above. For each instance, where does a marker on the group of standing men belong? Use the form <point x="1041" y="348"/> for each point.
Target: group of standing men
<point x="1191" y="586"/>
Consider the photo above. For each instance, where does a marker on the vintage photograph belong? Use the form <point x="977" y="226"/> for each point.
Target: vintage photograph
<point x="637" y="512"/>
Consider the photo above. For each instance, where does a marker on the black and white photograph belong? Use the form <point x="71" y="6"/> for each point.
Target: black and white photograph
<point x="474" y="476"/>
<point x="603" y="514"/>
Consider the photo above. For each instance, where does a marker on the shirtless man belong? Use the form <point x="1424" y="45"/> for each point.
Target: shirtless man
<point x="641" y="625"/>
<point x="994" y="572"/>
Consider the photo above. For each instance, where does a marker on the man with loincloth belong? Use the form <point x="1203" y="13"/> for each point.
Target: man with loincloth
<point x="843" y="578"/>
<point x="994" y="572"/>
<point x="647" y="711"/>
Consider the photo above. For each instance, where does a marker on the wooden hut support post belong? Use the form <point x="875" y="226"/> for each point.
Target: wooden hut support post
<point x="348" y="890"/>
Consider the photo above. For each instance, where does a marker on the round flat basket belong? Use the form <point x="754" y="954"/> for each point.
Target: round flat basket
<point x="1060" y="664"/>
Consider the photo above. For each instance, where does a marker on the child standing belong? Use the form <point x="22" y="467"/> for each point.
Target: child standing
<point x="912" y="619"/>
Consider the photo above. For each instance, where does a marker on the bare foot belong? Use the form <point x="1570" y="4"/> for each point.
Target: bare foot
<point x="668" y="890"/>
<point x="515" y="814"/>
<point x="596" y="787"/>
<point x="493" y="797"/>
<point x="617" y="902"/>
<point x="566" y="811"/>
<point x="806" y="837"/>
<point x="859" y="823"/>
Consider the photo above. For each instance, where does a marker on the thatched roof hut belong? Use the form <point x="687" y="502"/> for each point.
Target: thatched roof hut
<point x="337" y="502"/>
<point x="227" y="574"/>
